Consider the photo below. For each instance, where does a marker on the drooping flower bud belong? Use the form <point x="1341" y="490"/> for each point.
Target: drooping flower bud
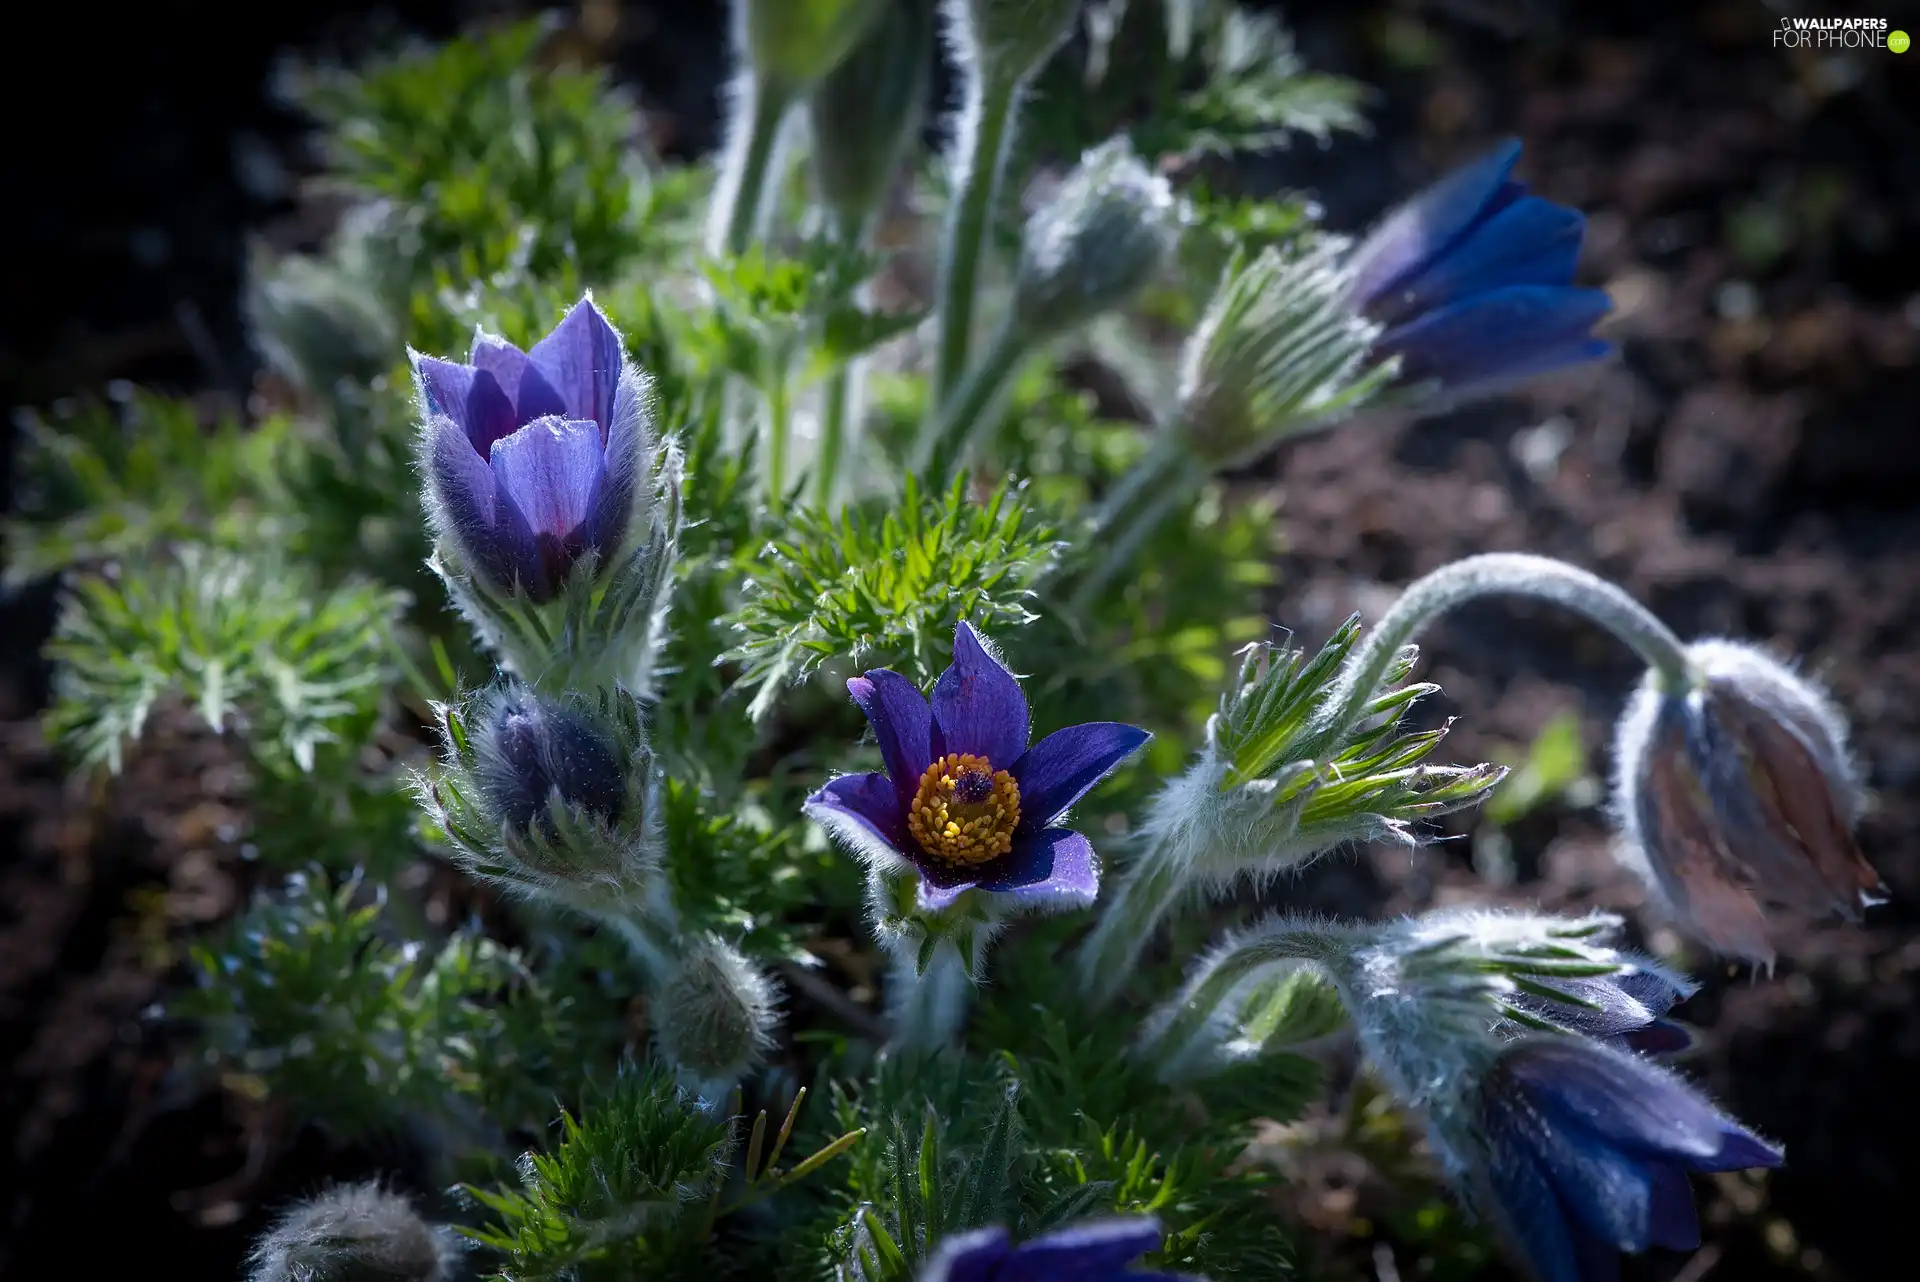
<point x="792" y="43"/>
<point x="353" y="1233"/>
<point x="554" y="510"/>
<point x="867" y="111"/>
<point x="1011" y="39"/>
<point x="1096" y="244"/>
<point x="1736" y="797"/>
<point x="1473" y="281"/>
<point x="550" y="796"/>
<point x="713" y="1017"/>
<point x="1579" y="1152"/>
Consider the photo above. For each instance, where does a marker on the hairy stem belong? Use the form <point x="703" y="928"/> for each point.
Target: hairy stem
<point x="1146" y="892"/>
<point x="985" y="146"/>
<point x="1163" y="480"/>
<point x="1495" y="574"/>
<point x="946" y="446"/>
<point x="928" y="1009"/>
<point x="753" y="135"/>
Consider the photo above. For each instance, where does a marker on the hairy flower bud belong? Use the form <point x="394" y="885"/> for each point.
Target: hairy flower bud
<point x="353" y="1233"/>
<point x="1736" y="797"/>
<point x="1096" y="244"/>
<point x="792" y="43"/>
<point x="713" y="1017"/>
<point x="553" y="796"/>
<point x="554" y="511"/>
<point x="867" y="111"/>
<point x="1012" y="39"/>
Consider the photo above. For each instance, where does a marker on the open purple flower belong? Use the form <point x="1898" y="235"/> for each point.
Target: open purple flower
<point x="1473" y="280"/>
<point x="963" y="798"/>
<point x="1588" y="1150"/>
<point x="1095" y="1251"/>
<point x="533" y="459"/>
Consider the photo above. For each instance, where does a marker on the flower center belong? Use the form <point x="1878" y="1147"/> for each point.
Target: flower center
<point x="965" y="811"/>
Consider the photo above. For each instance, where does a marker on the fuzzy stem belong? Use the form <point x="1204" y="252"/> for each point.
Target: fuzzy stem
<point x="1164" y="479"/>
<point x="928" y="1009"/>
<point x="1146" y="892"/>
<point x="991" y="100"/>
<point x="836" y="413"/>
<point x="1175" y="1027"/>
<point x="946" y="446"/>
<point x="753" y="134"/>
<point x="779" y="434"/>
<point x="1496" y="574"/>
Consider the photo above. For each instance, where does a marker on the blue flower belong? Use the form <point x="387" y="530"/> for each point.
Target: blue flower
<point x="963" y="799"/>
<point x="1473" y="280"/>
<point x="1587" y="1153"/>
<point x="534" y="459"/>
<point x="1096" y="1251"/>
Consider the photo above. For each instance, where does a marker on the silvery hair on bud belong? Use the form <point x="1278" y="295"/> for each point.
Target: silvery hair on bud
<point x="353" y="1233"/>
<point x="713" y="1016"/>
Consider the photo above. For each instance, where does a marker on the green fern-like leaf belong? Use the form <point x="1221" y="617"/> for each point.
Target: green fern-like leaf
<point x="885" y="586"/>
<point x="248" y="643"/>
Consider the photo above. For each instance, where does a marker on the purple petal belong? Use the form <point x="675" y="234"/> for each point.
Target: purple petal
<point x="968" y="1257"/>
<point x="897" y="711"/>
<point x="1058" y="863"/>
<point x="445" y="385"/>
<point x="936" y="898"/>
<point x="581" y="359"/>
<point x="868" y="800"/>
<point x="1661" y="1037"/>
<point x="1064" y="766"/>
<point x="1739" y="1150"/>
<point x="977" y="705"/>
<point x="627" y="457"/>
<point x="1522" y="329"/>
<point x="1533" y="1215"/>
<point x="1618" y="1098"/>
<point x="1671" y="1220"/>
<point x="550" y="467"/>
<point x="1423" y="227"/>
<point x="483" y="519"/>
<point x="1530" y="242"/>
<point x="1090" y="1252"/>
<point x="532" y="396"/>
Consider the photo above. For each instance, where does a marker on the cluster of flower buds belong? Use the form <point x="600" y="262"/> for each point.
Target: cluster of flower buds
<point x="556" y="515"/>
<point x="962" y="825"/>
<point x="555" y="510"/>
<point x="354" y="1233"/>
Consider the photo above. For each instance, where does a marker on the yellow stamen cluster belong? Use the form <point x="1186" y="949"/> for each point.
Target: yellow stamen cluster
<point x="965" y="811"/>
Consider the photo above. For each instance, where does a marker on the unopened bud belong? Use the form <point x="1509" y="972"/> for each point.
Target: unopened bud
<point x="713" y="1017"/>
<point x="353" y="1233"/>
<point x="551" y="795"/>
<point x="867" y="111"/>
<point x="1736" y="797"/>
<point x="1096" y="244"/>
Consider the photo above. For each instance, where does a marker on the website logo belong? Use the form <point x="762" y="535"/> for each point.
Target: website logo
<point x="1838" y="33"/>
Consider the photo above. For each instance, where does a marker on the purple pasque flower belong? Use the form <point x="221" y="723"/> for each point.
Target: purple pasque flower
<point x="963" y="799"/>
<point x="1587" y="1151"/>
<point x="1094" y="1251"/>
<point x="534" y="459"/>
<point x="1627" y="1008"/>
<point x="1473" y="281"/>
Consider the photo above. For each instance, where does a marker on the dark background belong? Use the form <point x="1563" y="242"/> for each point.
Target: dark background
<point x="1748" y="466"/>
